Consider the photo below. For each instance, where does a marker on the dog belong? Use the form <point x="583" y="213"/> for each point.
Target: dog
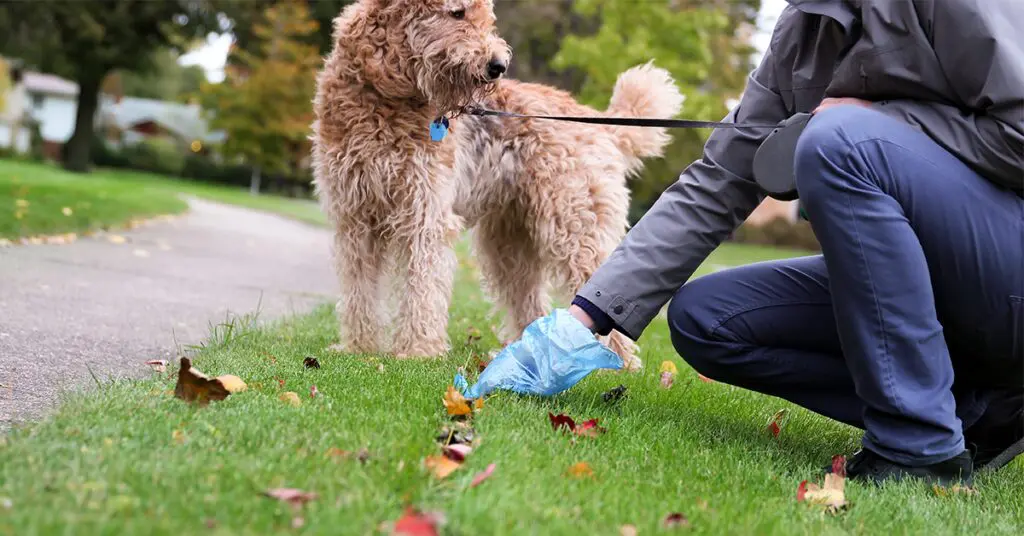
<point x="546" y="202"/>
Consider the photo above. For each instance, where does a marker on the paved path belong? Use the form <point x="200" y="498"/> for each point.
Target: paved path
<point x="94" y="304"/>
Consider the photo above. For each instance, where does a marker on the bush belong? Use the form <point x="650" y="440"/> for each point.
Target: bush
<point x="779" y="233"/>
<point x="158" y="155"/>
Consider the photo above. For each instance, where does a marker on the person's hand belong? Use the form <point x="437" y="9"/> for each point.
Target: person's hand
<point x="582" y="316"/>
<point x="832" y="102"/>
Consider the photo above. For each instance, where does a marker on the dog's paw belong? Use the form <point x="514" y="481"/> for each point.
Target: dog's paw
<point x="633" y="364"/>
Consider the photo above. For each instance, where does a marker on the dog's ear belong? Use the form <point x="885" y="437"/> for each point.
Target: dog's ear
<point x="372" y="32"/>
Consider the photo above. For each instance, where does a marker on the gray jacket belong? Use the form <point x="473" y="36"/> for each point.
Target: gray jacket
<point x="952" y="68"/>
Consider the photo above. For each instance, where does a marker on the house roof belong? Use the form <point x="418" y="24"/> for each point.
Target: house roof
<point x="49" y="84"/>
<point x="184" y="120"/>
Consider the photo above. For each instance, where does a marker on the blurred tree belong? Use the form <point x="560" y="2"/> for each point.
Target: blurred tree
<point x="85" y="41"/>
<point x="245" y="14"/>
<point x="5" y="84"/>
<point x="163" y="79"/>
<point x="705" y="45"/>
<point x="263" y="105"/>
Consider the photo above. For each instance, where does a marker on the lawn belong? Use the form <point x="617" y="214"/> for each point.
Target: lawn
<point x="131" y="459"/>
<point x="38" y="199"/>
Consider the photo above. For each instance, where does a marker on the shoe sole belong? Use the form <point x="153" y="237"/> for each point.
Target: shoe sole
<point x="1004" y="457"/>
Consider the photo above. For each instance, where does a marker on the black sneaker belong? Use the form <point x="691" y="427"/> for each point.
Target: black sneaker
<point x="998" y="436"/>
<point x="870" y="467"/>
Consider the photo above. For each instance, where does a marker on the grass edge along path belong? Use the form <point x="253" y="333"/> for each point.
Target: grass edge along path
<point x="129" y="458"/>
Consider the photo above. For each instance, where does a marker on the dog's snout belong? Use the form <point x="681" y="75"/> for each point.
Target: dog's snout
<point x="496" y="68"/>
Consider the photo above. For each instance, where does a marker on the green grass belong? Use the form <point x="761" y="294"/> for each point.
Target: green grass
<point x="40" y="200"/>
<point x="106" y="198"/>
<point x="109" y="462"/>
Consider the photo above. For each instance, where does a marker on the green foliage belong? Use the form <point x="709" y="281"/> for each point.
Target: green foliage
<point x="698" y="42"/>
<point x="263" y="104"/>
<point x="164" y="79"/>
<point x="779" y="233"/>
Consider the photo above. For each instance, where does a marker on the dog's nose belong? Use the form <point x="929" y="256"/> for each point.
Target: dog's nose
<point x="496" y="68"/>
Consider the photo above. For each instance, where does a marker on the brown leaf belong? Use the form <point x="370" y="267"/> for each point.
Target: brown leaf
<point x="295" y="497"/>
<point x="675" y="520"/>
<point x="483" y="475"/>
<point x="159" y="365"/>
<point x="705" y="379"/>
<point x="580" y="470"/>
<point x="194" y="386"/>
<point x="290" y="398"/>
<point x="455" y="403"/>
<point x="311" y="362"/>
<point x="955" y="489"/>
<point x="441" y="466"/>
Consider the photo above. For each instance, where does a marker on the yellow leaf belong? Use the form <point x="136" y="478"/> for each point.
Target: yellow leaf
<point x="478" y="404"/>
<point x="116" y="239"/>
<point x="232" y="383"/>
<point x="21" y="203"/>
<point x="831" y="495"/>
<point x="67" y="211"/>
<point x="668" y="366"/>
<point x="178" y="436"/>
<point x="455" y="403"/>
<point x="580" y="470"/>
<point x="440" y="466"/>
<point x="291" y="398"/>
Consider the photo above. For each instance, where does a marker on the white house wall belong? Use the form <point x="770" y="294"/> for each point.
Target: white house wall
<point x="56" y="118"/>
<point x="21" y="145"/>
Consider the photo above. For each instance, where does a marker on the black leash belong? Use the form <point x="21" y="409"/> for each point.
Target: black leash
<point x="618" y="121"/>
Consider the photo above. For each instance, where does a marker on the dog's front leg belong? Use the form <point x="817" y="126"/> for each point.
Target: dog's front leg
<point x="421" y="328"/>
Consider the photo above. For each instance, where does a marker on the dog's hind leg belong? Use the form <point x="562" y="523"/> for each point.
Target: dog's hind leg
<point x="428" y="252"/>
<point x="359" y="260"/>
<point x="512" y="272"/>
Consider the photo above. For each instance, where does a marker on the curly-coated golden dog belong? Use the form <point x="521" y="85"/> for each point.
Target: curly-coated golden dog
<point x="546" y="201"/>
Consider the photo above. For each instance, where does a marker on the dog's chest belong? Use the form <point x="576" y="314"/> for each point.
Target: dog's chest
<point x="485" y="167"/>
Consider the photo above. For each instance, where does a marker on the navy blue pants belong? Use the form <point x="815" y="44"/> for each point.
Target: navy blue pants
<point x="910" y="318"/>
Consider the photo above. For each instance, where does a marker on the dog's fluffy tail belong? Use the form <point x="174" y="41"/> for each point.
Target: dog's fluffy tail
<point x="644" y="91"/>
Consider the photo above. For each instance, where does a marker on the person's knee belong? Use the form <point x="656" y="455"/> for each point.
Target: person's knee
<point x="692" y="320"/>
<point x="824" y="146"/>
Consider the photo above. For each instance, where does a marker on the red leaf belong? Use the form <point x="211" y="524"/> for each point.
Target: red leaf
<point x="705" y="379"/>
<point x="457" y="452"/>
<point x="839" y="465"/>
<point x="675" y="519"/>
<point x="481" y="476"/>
<point x="280" y="382"/>
<point x="801" y="490"/>
<point x="560" y="420"/>
<point x="313" y="391"/>
<point x="590" y="428"/>
<point x="414" y="523"/>
<point x="295" y="497"/>
<point x="774" y="429"/>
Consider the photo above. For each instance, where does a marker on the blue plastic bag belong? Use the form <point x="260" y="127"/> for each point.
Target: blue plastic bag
<point x="554" y="353"/>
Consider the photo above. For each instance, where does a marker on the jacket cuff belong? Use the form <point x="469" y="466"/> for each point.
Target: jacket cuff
<point x="603" y="324"/>
<point x="609" y="304"/>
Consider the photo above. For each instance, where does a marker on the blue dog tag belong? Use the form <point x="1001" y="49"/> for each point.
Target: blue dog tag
<point x="439" y="129"/>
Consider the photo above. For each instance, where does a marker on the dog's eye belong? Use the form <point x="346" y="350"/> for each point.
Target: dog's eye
<point x="458" y="14"/>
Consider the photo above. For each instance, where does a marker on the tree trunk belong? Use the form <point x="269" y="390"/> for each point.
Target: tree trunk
<point x="254" y="183"/>
<point x="76" y="155"/>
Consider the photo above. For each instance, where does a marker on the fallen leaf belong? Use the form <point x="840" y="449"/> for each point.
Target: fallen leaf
<point x="194" y="386"/>
<point x="455" y="403"/>
<point x="313" y="391"/>
<point x="668" y="366"/>
<point x="774" y="423"/>
<point x="363" y="456"/>
<point x="116" y="239"/>
<point x="415" y="523"/>
<point x="482" y="475"/>
<point x="291" y="398"/>
<point x="590" y="429"/>
<point x="482" y="362"/>
<point x="478" y="404"/>
<point x="457" y="452"/>
<point x="159" y="365"/>
<point x="832" y="493"/>
<point x="586" y="428"/>
<point x="614" y="395"/>
<point x="178" y="436"/>
<point x="335" y="452"/>
<point x="441" y="466"/>
<point x="675" y="520"/>
<point x="140" y="253"/>
<point x="955" y="489"/>
<point x="298" y="522"/>
<point x="667" y="379"/>
<point x="295" y="497"/>
<point x="705" y="379"/>
<point x="580" y="470"/>
<point x="561" y="420"/>
<point x="232" y="383"/>
<point x="380" y="368"/>
<point x="311" y="362"/>
<point x="280" y="382"/>
<point x="473" y="335"/>
<point x="67" y="211"/>
<point x="21" y="203"/>
<point x="210" y="523"/>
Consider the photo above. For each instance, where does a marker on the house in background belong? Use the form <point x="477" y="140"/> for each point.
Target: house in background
<point x="46" y="99"/>
<point x="126" y="121"/>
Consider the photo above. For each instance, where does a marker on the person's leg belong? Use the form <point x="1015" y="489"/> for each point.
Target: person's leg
<point x="919" y="250"/>
<point x="768" y="327"/>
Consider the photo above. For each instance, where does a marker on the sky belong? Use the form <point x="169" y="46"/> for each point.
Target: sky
<point x="214" y="53"/>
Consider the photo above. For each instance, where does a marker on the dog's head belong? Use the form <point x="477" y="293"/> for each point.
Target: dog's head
<point x="445" y="51"/>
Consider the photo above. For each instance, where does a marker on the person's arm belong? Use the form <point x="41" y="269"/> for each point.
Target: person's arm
<point x="980" y="51"/>
<point x="690" y="219"/>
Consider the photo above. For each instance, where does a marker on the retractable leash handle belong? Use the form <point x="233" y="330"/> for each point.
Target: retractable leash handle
<point x="774" y="160"/>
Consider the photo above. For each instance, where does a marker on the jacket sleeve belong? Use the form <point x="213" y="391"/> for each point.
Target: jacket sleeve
<point x="979" y="49"/>
<point x="691" y="218"/>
